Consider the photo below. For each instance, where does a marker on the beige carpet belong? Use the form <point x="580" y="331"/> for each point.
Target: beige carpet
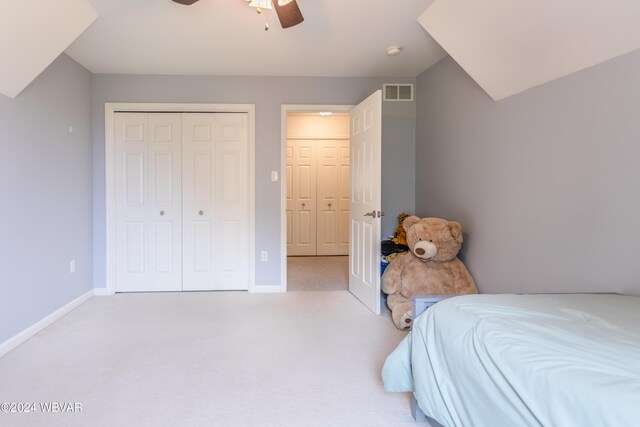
<point x="209" y="359"/>
<point x="322" y="273"/>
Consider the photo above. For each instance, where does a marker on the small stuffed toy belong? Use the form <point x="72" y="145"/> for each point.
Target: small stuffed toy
<point x="430" y="268"/>
<point x="399" y="234"/>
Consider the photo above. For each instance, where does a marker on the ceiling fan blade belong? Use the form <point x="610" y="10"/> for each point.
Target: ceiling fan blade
<point x="288" y="12"/>
<point x="185" y="2"/>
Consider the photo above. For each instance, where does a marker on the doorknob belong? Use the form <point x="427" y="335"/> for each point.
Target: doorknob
<point x="200" y="213"/>
<point x="161" y="213"/>
<point x="304" y="204"/>
<point x="372" y="213"/>
<point x="329" y="204"/>
<point x="380" y="214"/>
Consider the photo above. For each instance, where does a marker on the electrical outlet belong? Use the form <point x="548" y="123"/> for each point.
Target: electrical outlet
<point x="264" y="256"/>
<point x="72" y="266"/>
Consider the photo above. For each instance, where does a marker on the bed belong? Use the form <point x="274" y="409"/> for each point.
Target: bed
<point x="523" y="360"/>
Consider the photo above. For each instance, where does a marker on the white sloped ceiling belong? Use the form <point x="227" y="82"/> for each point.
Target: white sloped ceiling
<point x="509" y="46"/>
<point x="35" y="32"/>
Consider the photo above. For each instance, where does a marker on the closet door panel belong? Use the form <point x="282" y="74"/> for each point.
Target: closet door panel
<point x="148" y="217"/>
<point x="303" y="197"/>
<point x="215" y="201"/>
<point x="198" y="201"/>
<point x="328" y="169"/>
<point x="130" y="217"/>
<point x="164" y="207"/>
<point x="231" y="200"/>
<point x="333" y="197"/>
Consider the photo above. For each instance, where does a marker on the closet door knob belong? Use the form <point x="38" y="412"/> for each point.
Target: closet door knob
<point x="200" y="213"/>
<point x="329" y="204"/>
<point x="304" y="204"/>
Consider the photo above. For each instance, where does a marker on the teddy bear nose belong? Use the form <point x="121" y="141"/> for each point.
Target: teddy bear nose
<point x="425" y="250"/>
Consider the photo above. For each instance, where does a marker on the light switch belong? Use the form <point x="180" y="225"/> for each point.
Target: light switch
<point x="274" y="176"/>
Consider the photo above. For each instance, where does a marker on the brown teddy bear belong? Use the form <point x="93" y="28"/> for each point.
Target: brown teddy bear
<point x="430" y="268"/>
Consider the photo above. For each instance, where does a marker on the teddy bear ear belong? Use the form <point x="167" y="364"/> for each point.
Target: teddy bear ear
<point x="456" y="230"/>
<point x="409" y="222"/>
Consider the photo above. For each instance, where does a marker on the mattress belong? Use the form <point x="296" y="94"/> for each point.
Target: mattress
<point x="524" y="360"/>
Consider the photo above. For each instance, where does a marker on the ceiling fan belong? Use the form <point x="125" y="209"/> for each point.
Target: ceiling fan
<point x="287" y="10"/>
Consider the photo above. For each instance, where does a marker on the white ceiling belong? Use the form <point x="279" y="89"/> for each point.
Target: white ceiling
<point x="227" y="37"/>
<point x="509" y="46"/>
<point x="506" y="46"/>
<point x="32" y="35"/>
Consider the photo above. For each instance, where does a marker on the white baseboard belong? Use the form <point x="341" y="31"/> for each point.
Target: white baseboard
<point x="103" y="292"/>
<point x="32" y="330"/>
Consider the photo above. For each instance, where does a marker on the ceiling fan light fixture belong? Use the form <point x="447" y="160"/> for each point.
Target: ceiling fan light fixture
<point x="261" y="4"/>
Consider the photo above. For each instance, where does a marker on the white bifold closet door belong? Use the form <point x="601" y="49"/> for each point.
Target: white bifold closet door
<point x="148" y="207"/>
<point x="182" y="208"/>
<point x="215" y="201"/>
<point x="318" y="197"/>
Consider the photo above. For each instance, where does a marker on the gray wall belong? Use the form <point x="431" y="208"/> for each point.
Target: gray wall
<point x="546" y="183"/>
<point x="268" y="94"/>
<point x="46" y="193"/>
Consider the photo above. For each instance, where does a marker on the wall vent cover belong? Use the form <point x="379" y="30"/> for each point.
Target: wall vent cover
<point x="398" y="92"/>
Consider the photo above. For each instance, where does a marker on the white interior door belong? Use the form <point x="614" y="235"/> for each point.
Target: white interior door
<point x="364" y="250"/>
<point x="301" y="207"/>
<point x="148" y="212"/>
<point x="215" y="201"/>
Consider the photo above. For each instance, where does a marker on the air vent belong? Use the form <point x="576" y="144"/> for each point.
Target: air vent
<point x="398" y="92"/>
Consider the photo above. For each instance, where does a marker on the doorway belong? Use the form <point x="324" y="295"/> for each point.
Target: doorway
<point x="317" y="200"/>
<point x="365" y="210"/>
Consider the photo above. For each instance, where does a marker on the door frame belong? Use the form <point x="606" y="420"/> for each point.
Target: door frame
<point x="286" y="109"/>
<point x="110" y="109"/>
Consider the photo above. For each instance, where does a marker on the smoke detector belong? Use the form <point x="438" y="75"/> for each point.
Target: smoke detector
<point x="394" y="50"/>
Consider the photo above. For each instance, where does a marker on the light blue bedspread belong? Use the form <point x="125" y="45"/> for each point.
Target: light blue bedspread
<point x="524" y="360"/>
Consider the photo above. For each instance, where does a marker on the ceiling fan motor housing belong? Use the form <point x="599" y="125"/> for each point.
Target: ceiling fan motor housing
<point x="185" y="2"/>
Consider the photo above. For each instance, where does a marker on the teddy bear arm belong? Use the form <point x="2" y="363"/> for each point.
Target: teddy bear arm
<point x="392" y="276"/>
<point x="464" y="283"/>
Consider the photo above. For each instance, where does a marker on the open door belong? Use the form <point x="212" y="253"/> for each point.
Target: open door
<point x="365" y="212"/>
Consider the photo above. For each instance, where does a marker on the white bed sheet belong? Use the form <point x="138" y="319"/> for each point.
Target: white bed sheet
<point x="524" y="360"/>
